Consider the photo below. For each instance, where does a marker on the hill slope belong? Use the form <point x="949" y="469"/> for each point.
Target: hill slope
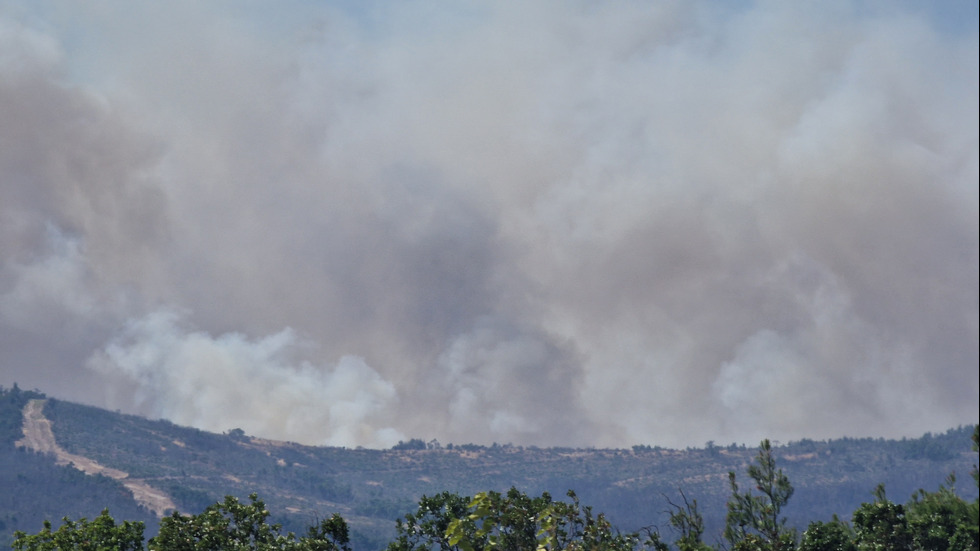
<point x="371" y="488"/>
<point x="33" y="487"/>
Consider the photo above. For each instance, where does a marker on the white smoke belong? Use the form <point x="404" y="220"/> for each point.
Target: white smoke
<point x="260" y="386"/>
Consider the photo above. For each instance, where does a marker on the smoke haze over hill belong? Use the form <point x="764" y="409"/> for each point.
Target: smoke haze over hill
<point x="554" y="223"/>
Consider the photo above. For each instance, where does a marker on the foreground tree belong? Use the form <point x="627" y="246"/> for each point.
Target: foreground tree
<point x="571" y="527"/>
<point x="755" y="522"/>
<point x="828" y="536"/>
<point x="942" y="521"/>
<point x="517" y="522"/>
<point x="426" y="527"/>
<point x="233" y="525"/>
<point x="100" y="534"/>
<point x="689" y="524"/>
<point x="881" y="524"/>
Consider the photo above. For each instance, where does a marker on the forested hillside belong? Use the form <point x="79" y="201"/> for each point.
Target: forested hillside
<point x="370" y="489"/>
<point x="33" y="488"/>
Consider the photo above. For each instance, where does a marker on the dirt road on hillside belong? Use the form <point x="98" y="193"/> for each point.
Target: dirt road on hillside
<point x="39" y="437"/>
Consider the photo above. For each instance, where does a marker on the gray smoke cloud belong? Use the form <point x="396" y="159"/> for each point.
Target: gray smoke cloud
<point x="552" y="224"/>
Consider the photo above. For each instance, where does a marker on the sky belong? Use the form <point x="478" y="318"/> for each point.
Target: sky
<point x="551" y="223"/>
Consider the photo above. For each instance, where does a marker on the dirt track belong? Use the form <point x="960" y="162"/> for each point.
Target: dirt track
<point x="39" y="437"/>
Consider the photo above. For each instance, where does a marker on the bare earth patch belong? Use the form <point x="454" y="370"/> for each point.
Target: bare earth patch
<point x="39" y="437"/>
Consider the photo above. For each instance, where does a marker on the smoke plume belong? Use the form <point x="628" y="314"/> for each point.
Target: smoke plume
<point x="558" y="223"/>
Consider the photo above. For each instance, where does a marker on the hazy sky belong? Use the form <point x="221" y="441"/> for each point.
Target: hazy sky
<point x="551" y="223"/>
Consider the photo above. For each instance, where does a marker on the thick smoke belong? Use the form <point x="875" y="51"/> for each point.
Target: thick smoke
<point x="562" y="223"/>
<point x="185" y="375"/>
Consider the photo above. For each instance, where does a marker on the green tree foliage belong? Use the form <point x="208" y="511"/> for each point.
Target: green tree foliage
<point x="976" y="447"/>
<point x="941" y="520"/>
<point x="930" y="521"/>
<point x="507" y="522"/>
<point x="330" y="534"/>
<point x="426" y="527"/>
<point x="518" y="522"/>
<point x="881" y="525"/>
<point x="101" y="534"/>
<point x="569" y="526"/>
<point x="756" y="521"/>
<point x="689" y="524"/>
<point x="233" y="525"/>
<point x="828" y="536"/>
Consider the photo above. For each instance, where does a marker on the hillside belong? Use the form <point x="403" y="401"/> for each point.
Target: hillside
<point x="33" y="487"/>
<point x="371" y="488"/>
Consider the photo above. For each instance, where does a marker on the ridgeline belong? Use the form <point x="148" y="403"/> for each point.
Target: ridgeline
<point x="189" y="469"/>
